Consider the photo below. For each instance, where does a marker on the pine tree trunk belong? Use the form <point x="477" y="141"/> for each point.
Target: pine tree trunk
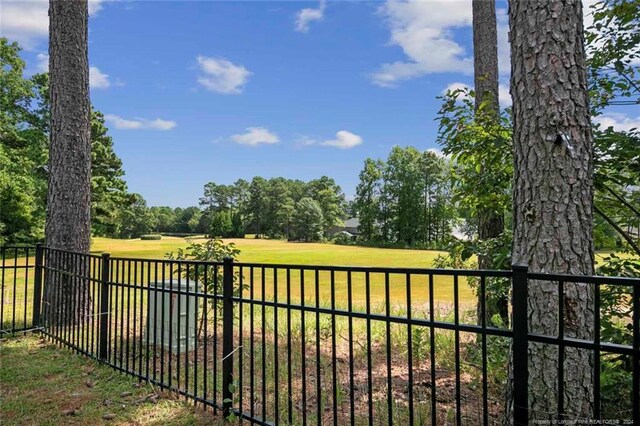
<point x="485" y="53"/>
<point x="69" y="198"/>
<point x="553" y="192"/>
<point x="485" y="63"/>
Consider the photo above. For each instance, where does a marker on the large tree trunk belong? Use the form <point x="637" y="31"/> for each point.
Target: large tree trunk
<point x="553" y="192"/>
<point x="485" y="63"/>
<point x="69" y="199"/>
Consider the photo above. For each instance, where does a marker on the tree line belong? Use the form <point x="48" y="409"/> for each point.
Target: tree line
<point x="274" y="208"/>
<point x="406" y="199"/>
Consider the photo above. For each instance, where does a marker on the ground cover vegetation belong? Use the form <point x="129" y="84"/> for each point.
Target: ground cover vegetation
<point x="43" y="384"/>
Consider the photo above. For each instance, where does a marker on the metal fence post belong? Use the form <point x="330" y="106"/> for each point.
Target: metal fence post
<point x="635" y="381"/>
<point x="227" y="336"/>
<point x="37" y="286"/>
<point x="104" y="317"/>
<point x="520" y="346"/>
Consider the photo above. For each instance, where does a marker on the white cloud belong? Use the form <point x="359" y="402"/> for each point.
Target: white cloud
<point x="43" y="62"/>
<point x="27" y="21"/>
<point x="139" y="123"/>
<point x="305" y="16"/>
<point x="424" y="31"/>
<point x="619" y="122"/>
<point x="221" y="76"/>
<point x="344" y="140"/>
<point x="97" y="79"/>
<point x="256" y="136"/>
<point x="504" y="96"/>
<point x="452" y="87"/>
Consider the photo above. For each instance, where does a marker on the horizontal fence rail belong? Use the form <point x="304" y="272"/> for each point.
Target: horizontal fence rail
<point x="300" y="344"/>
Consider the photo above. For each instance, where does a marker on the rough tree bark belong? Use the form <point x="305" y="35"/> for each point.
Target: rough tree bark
<point x="68" y="201"/>
<point x="485" y="63"/>
<point x="553" y="192"/>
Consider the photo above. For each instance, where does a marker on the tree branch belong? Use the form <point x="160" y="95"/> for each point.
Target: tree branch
<point x="618" y="229"/>
<point x="619" y="198"/>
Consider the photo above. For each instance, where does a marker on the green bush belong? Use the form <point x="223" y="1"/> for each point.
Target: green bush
<point x="343" y="239"/>
<point x="151" y="237"/>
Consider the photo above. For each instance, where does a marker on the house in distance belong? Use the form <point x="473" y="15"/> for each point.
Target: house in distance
<point x="350" y="228"/>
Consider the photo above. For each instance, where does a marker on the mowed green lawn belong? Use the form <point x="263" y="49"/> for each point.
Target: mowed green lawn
<point x="283" y="252"/>
<point x="278" y="251"/>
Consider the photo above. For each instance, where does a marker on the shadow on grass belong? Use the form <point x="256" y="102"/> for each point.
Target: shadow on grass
<point x="41" y="384"/>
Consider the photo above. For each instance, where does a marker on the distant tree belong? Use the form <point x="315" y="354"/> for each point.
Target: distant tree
<point x="221" y="224"/>
<point x="241" y="201"/>
<point x="367" y="201"/>
<point x="279" y="207"/>
<point x="108" y="188"/>
<point x="328" y="194"/>
<point x="218" y="197"/>
<point x="68" y="219"/>
<point x="434" y="224"/>
<point x="237" y="225"/>
<point x="403" y="185"/>
<point x="164" y="218"/>
<point x="553" y="193"/>
<point x="136" y="219"/>
<point x="308" y="220"/>
<point x="266" y="207"/>
<point x="188" y="219"/>
<point x="256" y="205"/>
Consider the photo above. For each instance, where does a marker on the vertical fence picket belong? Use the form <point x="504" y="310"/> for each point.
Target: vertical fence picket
<point x="520" y="347"/>
<point x="104" y="316"/>
<point x="37" y="286"/>
<point x="227" y="336"/>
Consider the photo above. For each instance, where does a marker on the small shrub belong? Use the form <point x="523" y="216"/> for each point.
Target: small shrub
<point x="181" y="234"/>
<point x="208" y="275"/>
<point x="343" y="239"/>
<point x="151" y="237"/>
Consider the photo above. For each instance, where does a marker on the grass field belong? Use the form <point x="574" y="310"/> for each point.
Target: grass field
<point x="278" y="251"/>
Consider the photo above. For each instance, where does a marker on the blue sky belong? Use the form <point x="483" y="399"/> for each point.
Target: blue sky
<point x="200" y="91"/>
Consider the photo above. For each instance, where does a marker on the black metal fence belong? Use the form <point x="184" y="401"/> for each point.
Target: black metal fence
<point x="298" y="344"/>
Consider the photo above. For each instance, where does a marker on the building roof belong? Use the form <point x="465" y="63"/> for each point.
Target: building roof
<point x="352" y="223"/>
